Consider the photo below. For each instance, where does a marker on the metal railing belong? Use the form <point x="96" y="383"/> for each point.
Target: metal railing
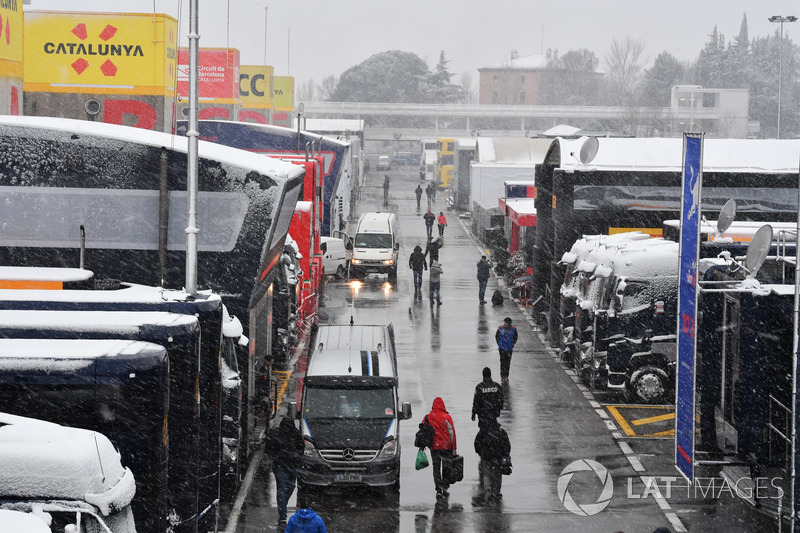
<point x="780" y="423"/>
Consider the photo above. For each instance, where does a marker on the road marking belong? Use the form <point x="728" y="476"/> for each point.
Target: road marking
<point x="623" y="424"/>
<point x="651" y="419"/>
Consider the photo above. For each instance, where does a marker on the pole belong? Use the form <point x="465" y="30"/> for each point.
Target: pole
<point x="192" y="151"/>
<point x="266" y="9"/>
<point x="780" y="19"/>
<point x="796" y="361"/>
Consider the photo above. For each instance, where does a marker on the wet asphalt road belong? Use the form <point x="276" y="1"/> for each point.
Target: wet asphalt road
<point x="552" y="421"/>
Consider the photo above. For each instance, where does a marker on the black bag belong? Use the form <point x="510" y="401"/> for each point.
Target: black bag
<point x="424" y="436"/>
<point x="497" y="298"/>
<point x="505" y="466"/>
<point x="452" y="468"/>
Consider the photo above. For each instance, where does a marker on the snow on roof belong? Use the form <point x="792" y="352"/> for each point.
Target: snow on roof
<point x="522" y="206"/>
<point x="531" y="62"/>
<point x="130" y="293"/>
<point x="561" y="130"/>
<point x="20" y="522"/>
<point x="77" y="349"/>
<point x="660" y="154"/>
<point x="16" y="273"/>
<point x="285" y="132"/>
<point x="41" y="460"/>
<point x="647" y="259"/>
<point x="123" y="322"/>
<point x="512" y="150"/>
<point x="266" y="165"/>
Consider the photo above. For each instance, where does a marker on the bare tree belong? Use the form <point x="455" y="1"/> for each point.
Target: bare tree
<point x="306" y="91"/>
<point x="327" y="87"/>
<point x="624" y="65"/>
<point x="469" y="93"/>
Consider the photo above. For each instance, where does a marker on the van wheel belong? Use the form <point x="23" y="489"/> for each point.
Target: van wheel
<point x="340" y="271"/>
<point x="647" y="384"/>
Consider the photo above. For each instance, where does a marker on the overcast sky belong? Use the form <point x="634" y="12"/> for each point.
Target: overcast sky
<point x="316" y="38"/>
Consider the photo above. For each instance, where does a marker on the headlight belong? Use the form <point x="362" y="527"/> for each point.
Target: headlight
<point x="310" y="450"/>
<point x="388" y="261"/>
<point x="389" y="449"/>
<point x="356" y="261"/>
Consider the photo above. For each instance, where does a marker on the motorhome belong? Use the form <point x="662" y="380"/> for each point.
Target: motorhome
<point x="350" y="411"/>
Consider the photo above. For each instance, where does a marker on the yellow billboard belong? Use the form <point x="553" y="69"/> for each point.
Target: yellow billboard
<point x="11" y="27"/>
<point x="283" y="93"/>
<point x="255" y="86"/>
<point x="105" y="53"/>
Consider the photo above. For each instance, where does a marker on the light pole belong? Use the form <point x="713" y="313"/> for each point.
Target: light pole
<point x="780" y="19"/>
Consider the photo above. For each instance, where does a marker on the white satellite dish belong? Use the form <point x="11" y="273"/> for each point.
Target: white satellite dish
<point x="757" y="250"/>
<point x="589" y="150"/>
<point x="726" y="216"/>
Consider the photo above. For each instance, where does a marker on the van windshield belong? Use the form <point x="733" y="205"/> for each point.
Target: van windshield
<point x="348" y="403"/>
<point x="373" y="240"/>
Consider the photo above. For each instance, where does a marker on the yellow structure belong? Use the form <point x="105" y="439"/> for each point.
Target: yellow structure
<point x="11" y="36"/>
<point x="119" y="68"/>
<point x="255" y="94"/>
<point x="445" y="161"/>
<point x="283" y="100"/>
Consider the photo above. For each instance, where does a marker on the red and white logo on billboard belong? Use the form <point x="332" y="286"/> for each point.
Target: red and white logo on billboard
<point x="79" y="65"/>
<point x="7" y="34"/>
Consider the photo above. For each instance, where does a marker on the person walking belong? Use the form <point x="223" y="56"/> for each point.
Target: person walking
<point x="305" y="521"/>
<point x="442" y="222"/>
<point x="429" y="193"/>
<point x="444" y="442"/>
<point x="285" y="446"/>
<point x="434" y="188"/>
<point x="417" y="263"/>
<point x="484" y="271"/>
<point x="386" y="190"/>
<point x="429" y="219"/>
<point x="418" y="192"/>
<point x="434" y="282"/>
<point x="342" y="223"/>
<point x="488" y="400"/>
<point x="432" y="248"/>
<point x="492" y="446"/>
<point x="506" y="337"/>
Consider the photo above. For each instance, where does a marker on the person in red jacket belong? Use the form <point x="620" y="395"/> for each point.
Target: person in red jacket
<point x="444" y="442"/>
<point x="442" y="222"/>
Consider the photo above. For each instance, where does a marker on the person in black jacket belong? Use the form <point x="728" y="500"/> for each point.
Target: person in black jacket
<point x="488" y="399"/>
<point x="433" y="248"/>
<point x="417" y="263"/>
<point x="285" y="446"/>
<point x="492" y="445"/>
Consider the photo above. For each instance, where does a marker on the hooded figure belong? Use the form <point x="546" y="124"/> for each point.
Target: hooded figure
<point x="305" y="520"/>
<point x="417" y="263"/>
<point x="444" y="442"/>
<point x="285" y="446"/>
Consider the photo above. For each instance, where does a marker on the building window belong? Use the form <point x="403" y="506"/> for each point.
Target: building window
<point x="495" y="98"/>
<point x="709" y="99"/>
<point x="522" y="97"/>
<point x="495" y="80"/>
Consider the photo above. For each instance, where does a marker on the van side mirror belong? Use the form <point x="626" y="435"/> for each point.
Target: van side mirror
<point x="397" y="246"/>
<point x="293" y="412"/>
<point x="406" y="411"/>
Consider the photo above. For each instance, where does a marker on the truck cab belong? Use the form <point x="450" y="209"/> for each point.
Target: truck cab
<point x="349" y="411"/>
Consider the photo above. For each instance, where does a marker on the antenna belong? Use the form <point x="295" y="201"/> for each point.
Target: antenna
<point x="726" y="216"/>
<point x="589" y="150"/>
<point x="757" y="250"/>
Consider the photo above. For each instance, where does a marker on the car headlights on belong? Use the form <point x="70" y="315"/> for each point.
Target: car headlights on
<point x="388" y="261"/>
<point x="356" y="261"/>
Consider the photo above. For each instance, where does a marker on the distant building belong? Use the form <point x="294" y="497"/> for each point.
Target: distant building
<point x="521" y="80"/>
<point x="721" y="113"/>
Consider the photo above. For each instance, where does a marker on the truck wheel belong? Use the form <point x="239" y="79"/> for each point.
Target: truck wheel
<point x="648" y="384"/>
<point x="340" y="271"/>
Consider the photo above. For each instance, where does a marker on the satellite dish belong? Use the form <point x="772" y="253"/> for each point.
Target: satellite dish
<point x="757" y="250"/>
<point x="726" y="216"/>
<point x="589" y="150"/>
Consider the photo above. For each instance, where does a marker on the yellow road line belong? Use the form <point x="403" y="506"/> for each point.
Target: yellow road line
<point x="651" y="419"/>
<point x="667" y="433"/>
<point x="621" y="421"/>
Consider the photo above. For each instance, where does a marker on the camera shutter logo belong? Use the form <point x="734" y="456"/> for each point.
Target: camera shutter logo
<point x="585" y="465"/>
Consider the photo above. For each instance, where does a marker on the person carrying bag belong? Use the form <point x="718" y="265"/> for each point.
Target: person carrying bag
<point x="494" y="449"/>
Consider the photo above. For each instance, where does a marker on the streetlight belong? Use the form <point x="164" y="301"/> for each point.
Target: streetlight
<point x="781" y="19"/>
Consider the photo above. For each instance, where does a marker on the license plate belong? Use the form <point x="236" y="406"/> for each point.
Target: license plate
<point x="351" y="478"/>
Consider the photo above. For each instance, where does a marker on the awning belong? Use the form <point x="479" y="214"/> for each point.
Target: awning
<point x="519" y="210"/>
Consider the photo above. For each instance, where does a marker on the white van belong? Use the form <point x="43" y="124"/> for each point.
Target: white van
<point x="375" y="245"/>
<point x="335" y="255"/>
<point x="350" y="410"/>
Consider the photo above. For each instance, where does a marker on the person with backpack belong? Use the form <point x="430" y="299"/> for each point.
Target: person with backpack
<point x="285" y="446"/>
<point x="493" y="448"/>
<point x="506" y="337"/>
<point x="433" y="247"/>
<point x="443" y="444"/>
<point x="435" y="282"/>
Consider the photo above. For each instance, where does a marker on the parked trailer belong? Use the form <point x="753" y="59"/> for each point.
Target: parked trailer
<point x="180" y="335"/>
<point x="68" y="475"/>
<point x="118" y="388"/>
<point x="208" y="310"/>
